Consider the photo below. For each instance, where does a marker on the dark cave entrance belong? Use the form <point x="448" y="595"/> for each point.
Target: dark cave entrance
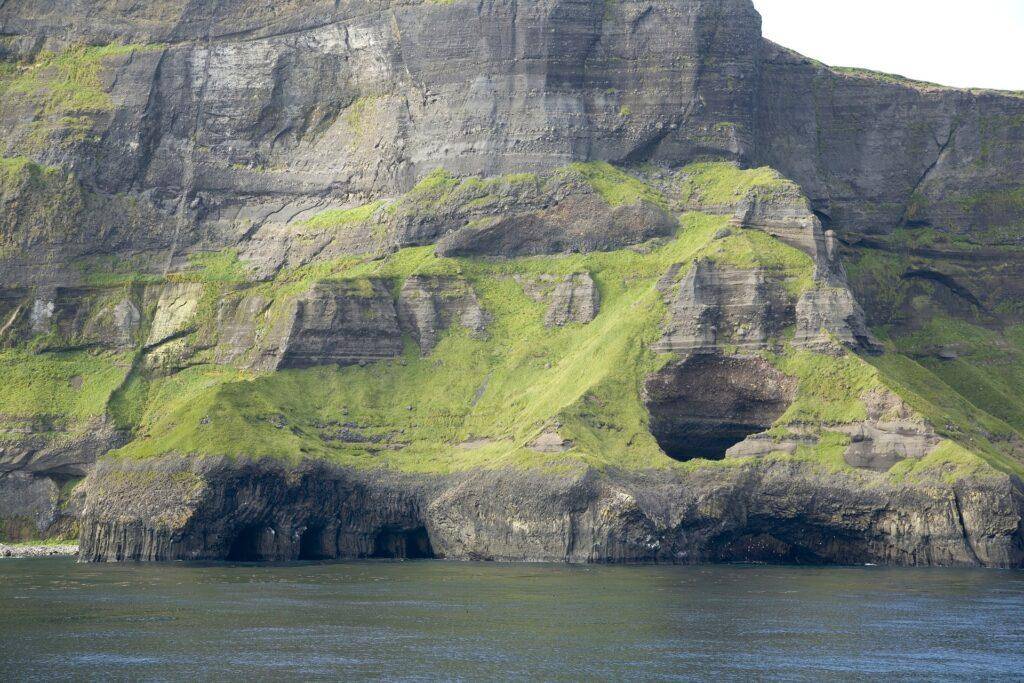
<point x="410" y="544"/>
<point x="246" y="545"/>
<point x="312" y="546"/>
<point x="706" y="404"/>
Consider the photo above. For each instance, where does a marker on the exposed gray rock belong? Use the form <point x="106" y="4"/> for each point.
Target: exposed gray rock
<point x="550" y="442"/>
<point x="785" y="213"/>
<point x="755" y="511"/>
<point x="343" y="323"/>
<point x="238" y="119"/>
<point x="32" y="507"/>
<point x="581" y="223"/>
<point x="428" y="305"/>
<point x="831" y="312"/>
<point x="175" y="312"/>
<point x="574" y="300"/>
<point x="891" y="433"/>
<point x="71" y="317"/>
<point x="873" y="153"/>
<point x="47" y="446"/>
<point x="714" y="305"/>
<point x="366" y="96"/>
<point x="30" y="499"/>
<point x="761" y="445"/>
<point x="244" y="334"/>
<point x="570" y="298"/>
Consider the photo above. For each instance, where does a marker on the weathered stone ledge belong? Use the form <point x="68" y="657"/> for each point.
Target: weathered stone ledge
<point x="23" y="550"/>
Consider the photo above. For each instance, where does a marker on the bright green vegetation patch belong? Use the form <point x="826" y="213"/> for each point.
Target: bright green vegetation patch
<point x="74" y="384"/>
<point x="340" y="218"/>
<point x="720" y="183"/>
<point x="615" y="186"/>
<point x="480" y="402"/>
<point x="829" y="451"/>
<point x="755" y="249"/>
<point x="949" y="460"/>
<point x="355" y="115"/>
<point x="14" y="171"/>
<point x="831" y="391"/>
<point x="215" y="266"/>
<point x="829" y="388"/>
<point x="471" y="402"/>
<point x="988" y="369"/>
<point x="440" y="192"/>
<point x="64" y="88"/>
<point x="952" y="415"/>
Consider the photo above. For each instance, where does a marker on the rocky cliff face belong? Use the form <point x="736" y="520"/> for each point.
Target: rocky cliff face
<point x="760" y="511"/>
<point x="560" y="279"/>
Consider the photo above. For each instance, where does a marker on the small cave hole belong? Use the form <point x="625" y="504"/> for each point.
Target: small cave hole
<point x="824" y="219"/>
<point x="410" y="544"/>
<point x="246" y="545"/>
<point x="311" y="545"/>
<point x="704" y="405"/>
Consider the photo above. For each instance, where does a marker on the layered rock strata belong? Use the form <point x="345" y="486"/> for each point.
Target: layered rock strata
<point x="760" y="511"/>
<point x="240" y="189"/>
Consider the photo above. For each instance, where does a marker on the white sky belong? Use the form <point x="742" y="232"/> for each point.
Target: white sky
<point x="979" y="43"/>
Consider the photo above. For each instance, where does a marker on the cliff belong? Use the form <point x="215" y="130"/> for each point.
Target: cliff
<point x="546" y="280"/>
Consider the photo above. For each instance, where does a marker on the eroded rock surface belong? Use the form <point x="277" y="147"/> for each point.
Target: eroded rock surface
<point x="713" y="305"/>
<point x="196" y="204"/>
<point x="343" y="323"/>
<point x="759" y="511"/>
<point x="570" y="298"/>
<point x="702" y="406"/>
<point x="427" y="306"/>
<point x="831" y="313"/>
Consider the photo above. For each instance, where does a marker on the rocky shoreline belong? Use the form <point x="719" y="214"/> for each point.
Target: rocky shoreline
<point x="513" y="281"/>
<point x="25" y="550"/>
<point x="759" y="510"/>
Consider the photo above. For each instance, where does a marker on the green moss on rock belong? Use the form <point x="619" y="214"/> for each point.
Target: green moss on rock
<point x="64" y="89"/>
<point x="721" y="183"/>
<point x="340" y="218"/>
<point x="73" y="384"/>
<point x="615" y="186"/>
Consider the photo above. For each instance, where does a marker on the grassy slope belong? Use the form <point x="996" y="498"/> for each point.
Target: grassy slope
<point x="975" y="398"/>
<point x="496" y="393"/>
<point x="535" y="376"/>
<point x="478" y="402"/>
<point x="717" y="183"/>
<point x="74" y="384"/>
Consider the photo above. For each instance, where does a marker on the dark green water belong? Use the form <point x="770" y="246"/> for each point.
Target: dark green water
<point x="429" y="620"/>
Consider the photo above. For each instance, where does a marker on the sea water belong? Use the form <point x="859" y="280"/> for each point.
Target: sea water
<point x="430" y="620"/>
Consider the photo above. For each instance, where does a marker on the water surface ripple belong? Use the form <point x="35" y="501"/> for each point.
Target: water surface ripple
<point x="439" y="620"/>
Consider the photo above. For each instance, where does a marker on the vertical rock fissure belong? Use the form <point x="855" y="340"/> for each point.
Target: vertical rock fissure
<point x="968" y="543"/>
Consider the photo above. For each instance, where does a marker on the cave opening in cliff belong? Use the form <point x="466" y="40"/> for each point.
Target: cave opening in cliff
<point x="245" y="547"/>
<point x="704" y="405"/>
<point x="312" y="546"/>
<point x="410" y="544"/>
